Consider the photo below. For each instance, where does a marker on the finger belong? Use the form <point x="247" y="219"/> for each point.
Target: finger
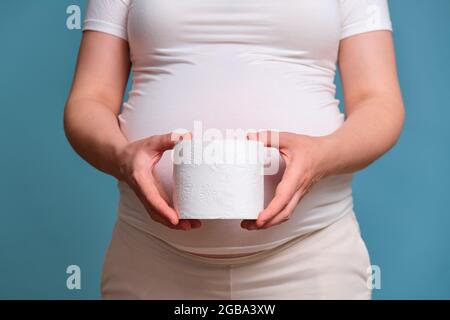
<point x="284" y="192"/>
<point x="150" y="210"/>
<point x="244" y="223"/>
<point x="177" y="136"/>
<point x="195" y="223"/>
<point x="281" y="217"/>
<point x="286" y="213"/>
<point x="150" y="193"/>
<point x="160" y="187"/>
<point x="252" y="136"/>
<point x="182" y="224"/>
<point x="187" y="136"/>
<point x="185" y="224"/>
<point x="271" y="138"/>
<point x="164" y="142"/>
<point x="188" y="224"/>
<point x="249" y="224"/>
<point x="158" y="218"/>
<point x="268" y="138"/>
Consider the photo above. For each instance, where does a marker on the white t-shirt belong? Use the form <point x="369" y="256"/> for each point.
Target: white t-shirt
<point x="236" y="64"/>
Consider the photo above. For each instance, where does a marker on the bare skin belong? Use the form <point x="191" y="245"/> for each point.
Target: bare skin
<point x="373" y="105"/>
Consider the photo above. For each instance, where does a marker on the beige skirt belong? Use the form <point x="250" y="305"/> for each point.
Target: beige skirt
<point x="331" y="263"/>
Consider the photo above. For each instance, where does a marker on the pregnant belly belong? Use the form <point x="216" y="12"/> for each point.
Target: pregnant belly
<point x="230" y="90"/>
<point x="228" y="101"/>
<point x="231" y="112"/>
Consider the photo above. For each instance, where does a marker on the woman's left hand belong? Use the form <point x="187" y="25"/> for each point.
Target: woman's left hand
<point x="304" y="157"/>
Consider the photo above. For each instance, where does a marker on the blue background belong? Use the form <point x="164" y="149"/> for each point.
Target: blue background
<point x="56" y="210"/>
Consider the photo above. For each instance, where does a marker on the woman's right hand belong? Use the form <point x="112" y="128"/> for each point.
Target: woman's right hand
<point x="136" y="162"/>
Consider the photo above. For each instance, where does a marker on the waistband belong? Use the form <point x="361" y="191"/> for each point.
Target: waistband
<point x="252" y="257"/>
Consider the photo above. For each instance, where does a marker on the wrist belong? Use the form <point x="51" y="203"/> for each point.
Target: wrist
<point x="328" y="156"/>
<point x="117" y="154"/>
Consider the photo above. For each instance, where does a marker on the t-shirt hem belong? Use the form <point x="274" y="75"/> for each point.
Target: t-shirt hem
<point x="247" y="249"/>
<point x="364" y="27"/>
<point x="106" y="27"/>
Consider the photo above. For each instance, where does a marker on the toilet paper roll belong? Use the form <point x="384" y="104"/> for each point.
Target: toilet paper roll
<point x="221" y="179"/>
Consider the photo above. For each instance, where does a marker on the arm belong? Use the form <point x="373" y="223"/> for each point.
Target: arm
<point x="92" y="128"/>
<point x="373" y="103"/>
<point x="90" y="118"/>
<point x="375" y="116"/>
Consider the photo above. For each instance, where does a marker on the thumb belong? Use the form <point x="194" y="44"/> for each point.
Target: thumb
<point x="167" y="141"/>
<point x="270" y="138"/>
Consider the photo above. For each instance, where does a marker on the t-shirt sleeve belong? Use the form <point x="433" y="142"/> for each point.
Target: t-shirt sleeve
<point x="359" y="16"/>
<point x="109" y="16"/>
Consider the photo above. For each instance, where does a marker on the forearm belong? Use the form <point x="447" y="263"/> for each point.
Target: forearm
<point x="93" y="131"/>
<point x="368" y="132"/>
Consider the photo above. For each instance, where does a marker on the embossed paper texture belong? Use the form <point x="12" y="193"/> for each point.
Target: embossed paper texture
<point x="226" y="183"/>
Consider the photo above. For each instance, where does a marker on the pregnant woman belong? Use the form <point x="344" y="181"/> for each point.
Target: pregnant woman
<point x="236" y="64"/>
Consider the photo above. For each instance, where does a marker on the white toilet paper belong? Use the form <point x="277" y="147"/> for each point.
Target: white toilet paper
<point x="221" y="179"/>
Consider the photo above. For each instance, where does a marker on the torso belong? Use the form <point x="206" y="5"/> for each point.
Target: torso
<point x="235" y="65"/>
